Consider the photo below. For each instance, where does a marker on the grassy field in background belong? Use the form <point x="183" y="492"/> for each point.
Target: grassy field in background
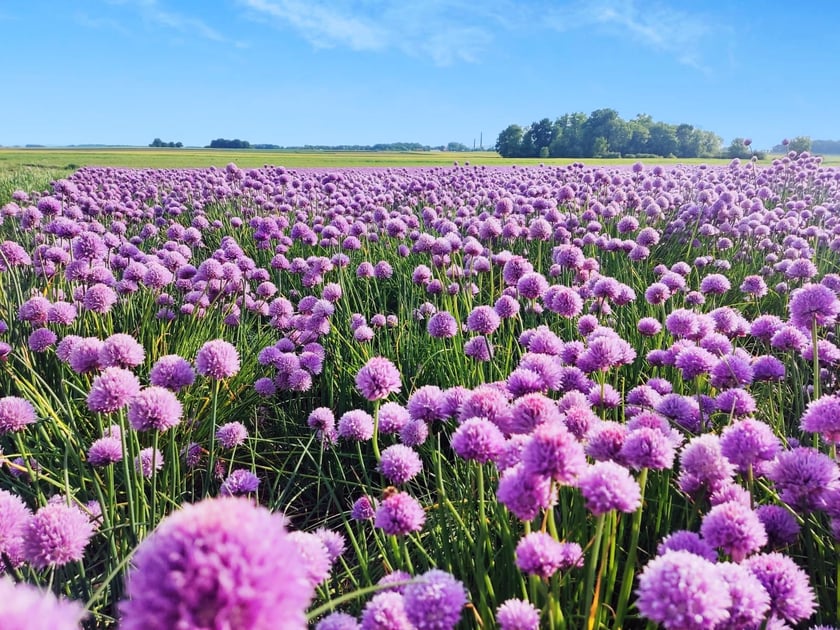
<point x="67" y="160"/>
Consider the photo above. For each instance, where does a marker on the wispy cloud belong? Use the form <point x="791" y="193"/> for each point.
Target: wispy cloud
<point x="155" y="13"/>
<point x="678" y="33"/>
<point x="447" y="31"/>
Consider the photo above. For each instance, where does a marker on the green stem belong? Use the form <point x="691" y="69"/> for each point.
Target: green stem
<point x="592" y="565"/>
<point x="630" y="564"/>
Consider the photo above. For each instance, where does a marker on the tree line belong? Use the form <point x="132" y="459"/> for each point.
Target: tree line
<point x="603" y="133"/>
<point x="157" y="143"/>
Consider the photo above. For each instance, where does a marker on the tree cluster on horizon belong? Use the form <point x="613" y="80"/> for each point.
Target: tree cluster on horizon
<point x="158" y="143"/>
<point x="603" y="133"/>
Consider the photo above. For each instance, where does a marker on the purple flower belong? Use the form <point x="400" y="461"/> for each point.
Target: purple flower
<point x="400" y="463"/>
<point x="385" y="611"/>
<point x="232" y="434"/>
<point x="479" y="348"/>
<point x="683" y="540"/>
<point x="609" y="486"/>
<point x="104" y="451"/>
<point x="802" y="476"/>
<point x="483" y="320"/>
<point x="239" y="481"/>
<point x="333" y="541"/>
<point x="605" y="440"/>
<point x="363" y="509"/>
<point x="735" y="529"/>
<point x="99" y="298"/>
<point x="703" y="466"/>
<point x="392" y="417"/>
<point x="694" y="361"/>
<point x="15" y="414"/>
<point x="172" y="372"/>
<point x="217" y="359"/>
<point x="355" y="424"/>
<point x="477" y="439"/>
<point x="813" y="304"/>
<point x="715" y="283"/>
<point x="780" y="525"/>
<point x="25" y="606"/>
<point x="42" y="339"/>
<point x="219" y="563"/>
<point x="427" y="404"/>
<point x="531" y="285"/>
<point x="648" y="326"/>
<point x="647" y="447"/>
<point x="682" y="591"/>
<point x="57" y="534"/>
<point x="732" y="370"/>
<point x="154" y="408"/>
<point x="442" y="325"/>
<point x="516" y="614"/>
<point x="791" y="596"/>
<point x="378" y="378"/>
<point x="14" y="517"/>
<point x="749" y="442"/>
<point x="121" y="350"/>
<point x="506" y="307"/>
<point x="338" y="621"/>
<point x="539" y="554"/>
<point x="524" y="493"/>
<point x="554" y="452"/>
<point x="399" y="514"/>
<point x="750" y="602"/>
<point x="414" y="433"/>
<point x="148" y="461"/>
<point x="823" y="416"/>
<point x="434" y="601"/>
<point x="112" y="390"/>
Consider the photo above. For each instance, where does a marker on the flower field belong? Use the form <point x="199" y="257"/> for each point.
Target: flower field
<point x="432" y="398"/>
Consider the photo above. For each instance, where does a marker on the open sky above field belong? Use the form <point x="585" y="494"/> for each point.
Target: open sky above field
<point x="295" y="72"/>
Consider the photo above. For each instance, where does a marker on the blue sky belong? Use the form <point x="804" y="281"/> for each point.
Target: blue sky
<point x="294" y="72"/>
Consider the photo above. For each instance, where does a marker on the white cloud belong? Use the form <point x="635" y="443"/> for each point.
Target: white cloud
<point x="447" y="31"/>
<point x="659" y="27"/>
<point x="153" y="12"/>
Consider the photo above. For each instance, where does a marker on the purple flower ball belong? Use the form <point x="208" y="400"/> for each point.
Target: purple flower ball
<point x="780" y="525"/>
<point x="703" y="466"/>
<point x="217" y="359"/>
<point x="338" y="621"/>
<point x="385" y="611"/>
<point x="400" y="463"/>
<point x="813" y="304"/>
<point x="539" y="554"/>
<point x="104" y="451"/>
<point x="524" y="493"/>
<point x="14" y="516"/>
<point x="478" y="439"/>
<point x="112" y="390"/>
<point x="363" y="509"/>
<point x="516" y="614"/>
<point x="483" y="320"/>
<point x="121" y="350"/>
<point x="154" y="408"/>
<point x="378" y="378"/>
<point x="219" y="563"/>
<point x="649" y="326"/>
<point x="25" y="606"/>
<point x="427" y="404"/>
<point x="172" y="372"/>
<point x="148" y="462"/>
<point x="749" y="442"/>
<point x="99" y="298"/>
<point x="715" y="283"/>
<point x="239" y="481"/>
<point x="647" y="447"/>
<point x="555" y="453"/>
<point x="414" y="433"/>
<point x="15" y="414"/>
<point x="434" y="601"/>
<point x="232" y="434"/>
<point x="442" y="325"/>
<point x="735" y="529"/>
<point x="356" y="425"/>
<point x="791" y="595"/>
<point x="479" y="348"/>
<point x="609" y="486"/>
<point x="392" y="418"/>
<point x="42" y="339"/>
<point x="683" y="540"/>
<point x="823" y="416"/>
<point x="802" y="477"/>
<point x="399" y="514"/>
<point x="506" y="307"/>
<point x="57" y="534"/>
<point x="682" y="591"/>
<point x="750" y="601"/>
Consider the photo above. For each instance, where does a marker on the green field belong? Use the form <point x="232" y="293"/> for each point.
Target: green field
<point x="70" y="159"/>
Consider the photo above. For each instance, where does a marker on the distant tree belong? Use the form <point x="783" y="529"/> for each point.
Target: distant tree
<point x="457" y="146"/>
<point x="509" y="142"/>
<point x="158" y="143"/>
<point x="568" y="135"/>
<point x="831" y="147"/>
<point x="739" y="148"/>
<point x="800" y="144"/>
<point x="663" y="139"/>
<point x="540" y="136"/>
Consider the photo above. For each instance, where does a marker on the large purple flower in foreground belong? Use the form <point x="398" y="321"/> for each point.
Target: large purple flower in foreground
<point x="217" y="359"/>
<point x="112" y="390"/>
<point x="154" y="408"/>
<point x="220" y="563"/>
<point x="56" y="535"/>
<point x="24" y="606"/>
<point x="378" y="378"/>
<point x="609" y="486"/>
<point x="400" y="514"/>
<point x="823" y="416"/>
<point x="734" y="528"/>
<point x="516" y="614"/>
<point x="813" y="304"/>
<point x="434" y="601"/>
<point x="791" y="596"/>
<point x="172" y="372"/>
<point x="682" y="591"/>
